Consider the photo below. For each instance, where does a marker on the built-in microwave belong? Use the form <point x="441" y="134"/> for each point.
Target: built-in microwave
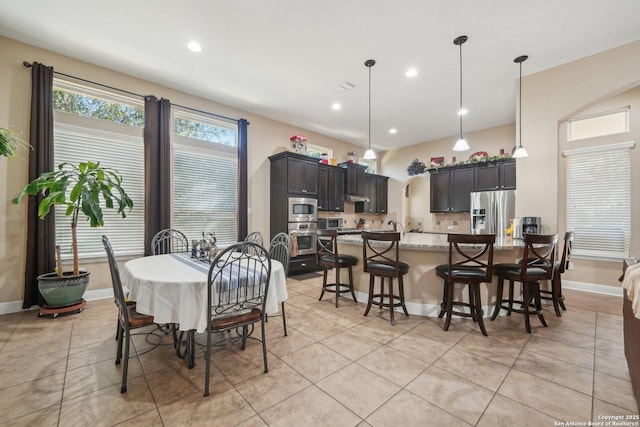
<point x="334" y="223"/>
<point x="303" y="209"/>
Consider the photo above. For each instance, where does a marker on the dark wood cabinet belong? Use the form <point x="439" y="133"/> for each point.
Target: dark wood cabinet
<point x="496" y="176"/>
<point x="331" y="183"/>
<point x="355" y="180"/>
<point x="451" y="187"/>
<point x="376" y="190"/>
<point x="302" y="176"/>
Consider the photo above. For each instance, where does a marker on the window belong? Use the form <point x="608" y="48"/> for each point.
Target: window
<point x="205" y="177"/>
<point x="601" y="124"/>
<point x="91" y="124"/>
<point x="372" y="165"/>
<point x="598" y="200"/>
<point x="317" y="150"/>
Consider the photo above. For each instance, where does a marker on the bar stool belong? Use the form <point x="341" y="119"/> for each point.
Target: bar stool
<point x="329" y="258"/>
<point x="539" y="252"/>
<point x="470" y="264"/>
<point x="381" y="258"/>
<point x="555" y="294"/>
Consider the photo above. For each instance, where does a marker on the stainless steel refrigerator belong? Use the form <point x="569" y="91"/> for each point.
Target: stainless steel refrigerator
<point x="491" y="211"/>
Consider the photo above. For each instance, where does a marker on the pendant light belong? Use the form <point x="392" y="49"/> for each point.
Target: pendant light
<point x="520" y="151"/>
<point x="369" y="154"/>
<point x="461" y="144"/>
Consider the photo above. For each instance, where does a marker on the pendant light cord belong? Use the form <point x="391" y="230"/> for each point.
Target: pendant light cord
<point x="460" y="109"/>
<point x="369" y="108"/>
<point x="520" y="106"/>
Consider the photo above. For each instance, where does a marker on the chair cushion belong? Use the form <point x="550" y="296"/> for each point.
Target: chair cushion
<point x="343" y="260"/>
<point x="514" y="270"/>
<point x="461" y="272"/>
<point x="387" y="268"/>
<point x="138" y="319"/>
<point x="237" y="320"/>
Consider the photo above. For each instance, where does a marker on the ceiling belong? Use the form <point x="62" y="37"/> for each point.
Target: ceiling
<point x="283" y="59"/>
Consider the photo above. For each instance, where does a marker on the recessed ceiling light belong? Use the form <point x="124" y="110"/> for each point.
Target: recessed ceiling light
<point x="411" y="72"/>
<point x="462" y="111"/>
<point x="194" y="46"/>
<point x="393" y="131"/>
<point x="336" y="106"/>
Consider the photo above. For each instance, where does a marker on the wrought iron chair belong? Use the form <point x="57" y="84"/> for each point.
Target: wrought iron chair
<point x="540" y="254"/>
<point x="255" y="237"/>
<point x="238" y="285"/>
<point x="169" y="241"/>
<point x="128" y="317"/>
<point x="470" y="263"/>
<point x="280" y="250"/>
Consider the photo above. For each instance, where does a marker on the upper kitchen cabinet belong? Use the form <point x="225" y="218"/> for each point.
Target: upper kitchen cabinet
<point x="331" y="183"/>
<point x="355" y="180"/>
<point x="451" y="190"/>
<point x="496" y="175"/>
<point x="294" y="174"/>
<point x="376" y="189"/>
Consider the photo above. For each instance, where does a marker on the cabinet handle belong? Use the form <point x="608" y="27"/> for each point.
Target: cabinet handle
<point x="304" y="191"/>
<point x="303" y="265"/>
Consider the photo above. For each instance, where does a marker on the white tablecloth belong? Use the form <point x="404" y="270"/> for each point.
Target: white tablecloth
<point x="173" y="289"/>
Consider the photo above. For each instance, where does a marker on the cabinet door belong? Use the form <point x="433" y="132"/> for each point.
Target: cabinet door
<point x="324" y="192"/>
<point x="382" y="183"/>
<point x="370" y="192"/>
<point x="302" y="176"/>
<point x="508" y="175"/>
<point x="439" y="197"/>
<point x="356" y="183"/>
<point x="338" y="189"/>
<point x="487" y="177"/>
<point x="461" y="188"/>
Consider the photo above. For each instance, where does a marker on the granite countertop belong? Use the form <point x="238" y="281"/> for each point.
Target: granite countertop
<point x="428" y="241"/>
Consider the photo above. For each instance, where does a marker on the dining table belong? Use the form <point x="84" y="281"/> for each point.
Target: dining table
<point x="173" y="288"/>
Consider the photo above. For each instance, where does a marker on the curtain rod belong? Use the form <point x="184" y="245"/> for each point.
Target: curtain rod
<point x="29" y="65"/>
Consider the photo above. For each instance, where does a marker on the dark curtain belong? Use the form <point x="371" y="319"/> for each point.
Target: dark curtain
<point x="243" y="172"/>
<point x="41" y="234"/>
<point x="157" y="167"/>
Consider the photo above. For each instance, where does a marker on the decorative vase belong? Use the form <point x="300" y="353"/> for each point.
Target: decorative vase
<point x="65" y="290"/>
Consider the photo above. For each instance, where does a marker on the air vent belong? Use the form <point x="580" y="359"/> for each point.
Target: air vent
<point x="345" y="87"/>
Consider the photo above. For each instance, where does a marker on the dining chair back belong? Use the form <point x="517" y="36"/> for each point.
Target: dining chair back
<point x="128" y="317"/>
<point x="238" y="284"/>
<point x="381" y="256"/>
<point x="470" y="263"/>
<point x="280" y="250"/>
<point x="169" y="241"/>
<point x="537" y="263"/>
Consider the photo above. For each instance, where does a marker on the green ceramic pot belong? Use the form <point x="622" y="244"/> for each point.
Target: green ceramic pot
<point x="65" y="290"/>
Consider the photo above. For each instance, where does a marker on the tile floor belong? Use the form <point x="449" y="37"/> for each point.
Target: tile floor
<point x="335" y="368"/>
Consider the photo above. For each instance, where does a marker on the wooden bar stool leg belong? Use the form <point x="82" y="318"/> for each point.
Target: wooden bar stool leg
<point x="371" y="279"/>
<point x="448" y="305"/>
<point x="337" y="285"/>
<point x="538" y="300"/>
<point x="478" y="308"/>
<point x="471" y="303"/>
<point x="351" y="285"/>
<point x="401" y="292"/>
<point x="324" y="284"/>
<point x="555" y="294"/>
<point x="499" y="289"/>
<point x="391" y="301"/>
<point x="443" y="304"/>
<point x="510" y="297"/>
<point x="525" y="305"/>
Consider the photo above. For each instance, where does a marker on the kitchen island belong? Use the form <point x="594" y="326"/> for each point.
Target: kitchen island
<point x="423" y="252"/>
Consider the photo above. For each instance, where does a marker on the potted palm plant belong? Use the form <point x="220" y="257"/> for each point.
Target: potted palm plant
<point x="80" y="188"/>
<point x="10" y="143"/>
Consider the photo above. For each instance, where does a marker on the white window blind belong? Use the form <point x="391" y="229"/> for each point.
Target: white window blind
<point x="598" y="200"/>
<point x="205" y="194"/>
<point x="122" y="152"/>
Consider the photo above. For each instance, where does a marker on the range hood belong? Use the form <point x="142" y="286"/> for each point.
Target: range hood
<point x="355" y="198"/>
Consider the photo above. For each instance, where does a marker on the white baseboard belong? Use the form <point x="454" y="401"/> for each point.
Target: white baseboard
<point x="16" y="306"/>
<point x="592" y="287"/>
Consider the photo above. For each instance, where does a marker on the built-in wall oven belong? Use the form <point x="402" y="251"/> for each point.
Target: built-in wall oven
<point x="303" y="209"/>
<point x="305" y="235"/>
<point x="303" y="223"/>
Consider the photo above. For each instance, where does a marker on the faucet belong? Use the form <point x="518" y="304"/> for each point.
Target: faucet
<point x="395" y="225"/>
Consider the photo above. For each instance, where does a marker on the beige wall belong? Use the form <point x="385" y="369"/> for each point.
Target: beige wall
<point x="266" y="137"/>
<point x="548" y="98"/>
